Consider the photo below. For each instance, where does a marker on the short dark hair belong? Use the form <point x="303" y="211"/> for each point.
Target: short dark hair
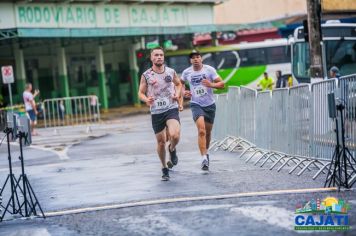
<point x="28" y="85"/>
<point x="157" y="48"/>
<point x="194" y="53"/>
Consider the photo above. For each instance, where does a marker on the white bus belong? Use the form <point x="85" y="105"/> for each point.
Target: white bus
<point x="338" y="49"/>
<point x="240" y="64"/>
<point x="237" y="64"/>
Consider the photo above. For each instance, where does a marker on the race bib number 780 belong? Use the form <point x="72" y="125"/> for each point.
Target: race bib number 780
<point x="161" y="103"/>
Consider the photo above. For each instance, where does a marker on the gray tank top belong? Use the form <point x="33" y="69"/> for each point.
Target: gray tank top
<point x="161" y="87"/>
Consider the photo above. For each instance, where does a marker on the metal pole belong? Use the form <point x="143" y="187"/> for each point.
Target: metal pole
<point x="10" y="93"/>
<point x="314" y="29"/>
<point x="21" y="136"/>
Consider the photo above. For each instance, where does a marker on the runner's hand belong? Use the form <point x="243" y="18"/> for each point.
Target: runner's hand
<point x="181" y="107"/>
<point x="187" y="94"/>
<point x="207" y="83"/>
<point x="175" y="98"/>
<point x="150" y="101"/>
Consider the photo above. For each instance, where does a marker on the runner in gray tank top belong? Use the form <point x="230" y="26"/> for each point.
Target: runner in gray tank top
<point x="160" y="89"/>
<point x="202" y="80"/>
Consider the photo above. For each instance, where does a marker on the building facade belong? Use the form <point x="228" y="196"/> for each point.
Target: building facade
<point x="249" y="11"/>
<point x="73" y="48"/>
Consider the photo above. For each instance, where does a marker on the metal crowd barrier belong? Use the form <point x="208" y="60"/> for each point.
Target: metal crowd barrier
<point x="299" y="121"/>
<point x="247" y="114"/>
<point x="218" y="133"/>
<point x="71" y="111"/>
<point x="263" y="120"/>
<point x="348" y="98"/>
<point x="323" y="135"/>
<point x="279" y="120"/>
<point x="287" y="127"/>
<point x="233" y="111"/>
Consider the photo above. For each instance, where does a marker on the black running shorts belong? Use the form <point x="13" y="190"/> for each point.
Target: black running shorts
<point x="208" y="112"/>
<point x="159" y="120"/>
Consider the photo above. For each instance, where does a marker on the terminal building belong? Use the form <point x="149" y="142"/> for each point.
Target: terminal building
<point x="68" y="48"/>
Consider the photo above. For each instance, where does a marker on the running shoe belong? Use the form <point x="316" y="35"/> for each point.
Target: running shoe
<point x="165" y="174"/>
<point x="169" y="164"/>
<point x="205" y="163"/>
<point x="173" y="154"/>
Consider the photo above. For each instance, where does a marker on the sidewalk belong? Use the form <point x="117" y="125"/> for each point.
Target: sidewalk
<point x="123" y="111"/>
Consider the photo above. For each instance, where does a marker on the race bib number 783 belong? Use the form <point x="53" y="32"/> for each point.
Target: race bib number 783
<point x="200" y="91"/>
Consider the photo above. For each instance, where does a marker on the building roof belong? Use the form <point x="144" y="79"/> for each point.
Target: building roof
<point x="118" y="1"/>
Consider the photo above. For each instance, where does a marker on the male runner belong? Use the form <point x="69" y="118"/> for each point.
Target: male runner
<point x="160" y="89"/>
<point x="202" y="79"/>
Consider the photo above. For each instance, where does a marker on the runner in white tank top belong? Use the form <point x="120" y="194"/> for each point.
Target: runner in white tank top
<point x="160" y="89"/>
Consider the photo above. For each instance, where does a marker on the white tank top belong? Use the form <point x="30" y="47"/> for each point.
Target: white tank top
<point x="160" y="86"/>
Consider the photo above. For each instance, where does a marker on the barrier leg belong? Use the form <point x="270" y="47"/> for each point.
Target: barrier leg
<point x="321" y="170"/>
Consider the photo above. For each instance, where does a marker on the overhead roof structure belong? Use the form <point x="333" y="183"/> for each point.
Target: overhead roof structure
<point x="104" y="18"/>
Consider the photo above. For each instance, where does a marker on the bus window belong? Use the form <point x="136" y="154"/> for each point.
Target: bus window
<point x="341" y="54"/>
<point x="209" y="59"/>
<point x="277" y="55"/>
<point x="226" y="60"/>
<point x="178" y="63"/>
<point x="253" y="57"/>
<point x="301" y="61"/>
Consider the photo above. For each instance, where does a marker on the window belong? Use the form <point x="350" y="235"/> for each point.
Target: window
<point x="253" y="57"/>
<point x="277" y="55"/>
<point x="179" y="63"/>
<point x="226" y="60"/>
<point x="209" y="59"/>
<point x="301" y="61"/>
<point x="341" y="54"/>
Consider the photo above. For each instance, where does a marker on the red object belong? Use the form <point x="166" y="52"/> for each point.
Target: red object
<point x="139" y="55"/>
<point x="257" y="35"/>
<point x="247" y="35"/>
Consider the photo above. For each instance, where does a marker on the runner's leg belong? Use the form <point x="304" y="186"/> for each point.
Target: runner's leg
<point x="161" y="145"/>
<point x="208" y="128"/>
<point x="200" y="123"/>
<point x="173" y="133"/>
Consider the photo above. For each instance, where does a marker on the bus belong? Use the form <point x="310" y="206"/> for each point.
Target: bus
<point x="338" y="49"/>
<point x="237" y="64"/>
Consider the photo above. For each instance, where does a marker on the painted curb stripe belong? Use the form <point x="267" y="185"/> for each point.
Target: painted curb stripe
<point x="187" y="199"/>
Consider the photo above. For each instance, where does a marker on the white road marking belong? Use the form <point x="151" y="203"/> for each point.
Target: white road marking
<point x="188" y="199"/>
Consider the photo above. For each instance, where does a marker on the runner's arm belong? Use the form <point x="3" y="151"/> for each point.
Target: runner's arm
<point x="142" y="92"/>
<point x="217" y="83"/>
<point x="182" y="95"/>
<point x="178" y="87"/>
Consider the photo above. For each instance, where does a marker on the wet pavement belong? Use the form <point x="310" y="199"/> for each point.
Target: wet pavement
<point x="115" y="162"/>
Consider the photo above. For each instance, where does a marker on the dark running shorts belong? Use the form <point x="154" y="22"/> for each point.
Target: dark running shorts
<point x="32" y="115"/>
<point x="159" y="120"/>
<point x="208" y="112"/>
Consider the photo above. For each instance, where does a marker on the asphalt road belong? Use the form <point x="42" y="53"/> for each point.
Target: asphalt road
<point x="110" y="164"/>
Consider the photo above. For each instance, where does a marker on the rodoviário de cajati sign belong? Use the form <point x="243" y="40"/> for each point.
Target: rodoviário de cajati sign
<point x="108" y="15"/>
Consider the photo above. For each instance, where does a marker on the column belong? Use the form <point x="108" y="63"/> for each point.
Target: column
<point x="134" y="72"/>
<point x="20" y="76"/>
<point x="63" y="74"/>
<point x="35" y="80"/>
<point x="103" y="95"/>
